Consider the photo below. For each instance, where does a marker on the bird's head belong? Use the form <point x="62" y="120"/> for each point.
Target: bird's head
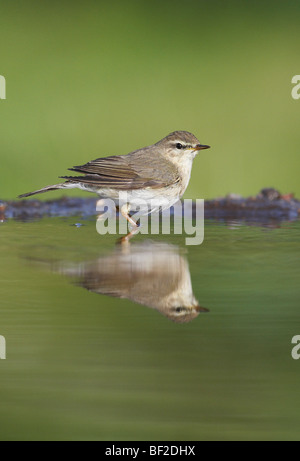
<point x="179" y="145"/>
<point x="184" y="314"/>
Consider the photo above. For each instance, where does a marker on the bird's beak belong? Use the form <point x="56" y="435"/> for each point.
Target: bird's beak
<point x="201" y="147"/>
<point x="201" y="309"/>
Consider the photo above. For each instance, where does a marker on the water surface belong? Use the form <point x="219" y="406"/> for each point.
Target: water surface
<point x="154" y="341"/>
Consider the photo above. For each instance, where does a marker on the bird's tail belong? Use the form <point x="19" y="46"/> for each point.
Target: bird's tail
<point x="47" y="189"/>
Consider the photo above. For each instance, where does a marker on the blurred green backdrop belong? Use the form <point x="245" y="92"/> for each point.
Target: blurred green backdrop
<point x="94" y="78"/>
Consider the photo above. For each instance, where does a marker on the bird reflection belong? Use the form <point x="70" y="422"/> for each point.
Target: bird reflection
<point x="155" y="275"/>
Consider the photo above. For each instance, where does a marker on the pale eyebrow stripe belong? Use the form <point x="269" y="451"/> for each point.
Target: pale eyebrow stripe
<point x="185" y="146"/>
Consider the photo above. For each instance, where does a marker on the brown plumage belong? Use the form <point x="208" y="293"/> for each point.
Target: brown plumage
<point x="162" y="169"/>
<point x="128" y="172"/>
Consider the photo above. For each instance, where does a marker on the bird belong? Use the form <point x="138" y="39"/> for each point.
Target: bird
<point x="157" y="174"/>
<point x="152" y="274"/>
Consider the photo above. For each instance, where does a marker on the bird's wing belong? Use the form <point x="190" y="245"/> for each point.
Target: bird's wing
<point x="125" y="172"/>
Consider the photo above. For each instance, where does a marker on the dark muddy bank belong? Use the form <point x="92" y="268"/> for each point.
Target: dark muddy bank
<point x="268" y="205"/>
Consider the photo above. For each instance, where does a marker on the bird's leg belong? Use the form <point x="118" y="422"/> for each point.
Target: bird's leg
<point x="125" y="213"/>
<point x="124" y="209"/>
<point x="125" y="239"/>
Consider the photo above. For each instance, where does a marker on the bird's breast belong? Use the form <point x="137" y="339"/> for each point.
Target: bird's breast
<point x="184" y="170"/>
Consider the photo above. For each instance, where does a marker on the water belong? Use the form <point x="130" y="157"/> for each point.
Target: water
<point x="129" y="364"/>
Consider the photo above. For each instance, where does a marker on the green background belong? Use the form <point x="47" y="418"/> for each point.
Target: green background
<point x="90" y="79"/>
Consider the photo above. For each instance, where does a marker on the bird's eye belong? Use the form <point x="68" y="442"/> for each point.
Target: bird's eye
<point x="179" y="146"/>
<point x="178" y="310"/>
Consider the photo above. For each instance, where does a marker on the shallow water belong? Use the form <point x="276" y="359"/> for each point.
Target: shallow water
<point x="94" y="350"/>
